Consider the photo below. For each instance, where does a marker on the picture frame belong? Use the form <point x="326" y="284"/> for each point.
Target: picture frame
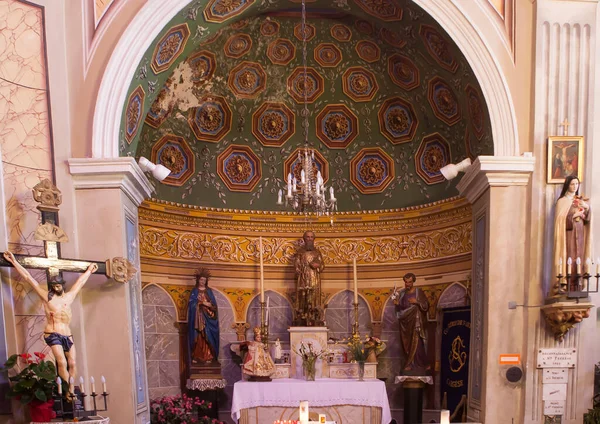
<point x="565" y="157"/>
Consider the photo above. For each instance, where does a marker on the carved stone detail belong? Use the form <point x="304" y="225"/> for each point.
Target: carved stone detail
<point x="562" y="316"/>
<point x="120" y="269"/>
<point x="240" y="330"/>
<point x="47" y="195"/>
<point x="50" y="232"/>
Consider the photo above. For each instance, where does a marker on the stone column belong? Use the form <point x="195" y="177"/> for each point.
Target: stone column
<point x="497" y="187"/>
<point x="107" y="195"/>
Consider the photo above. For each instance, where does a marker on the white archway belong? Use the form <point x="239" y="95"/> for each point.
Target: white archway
<point x="156" y="14"/>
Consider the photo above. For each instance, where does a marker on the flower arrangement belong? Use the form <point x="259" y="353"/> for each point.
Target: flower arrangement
<point x="309" y="358"/>
<point x="374" y="345"/>
<point x="357" y="349"/>
<point x="35" y="382"/>
<point x="179" y="409"/>
<point x="367" y="350"/>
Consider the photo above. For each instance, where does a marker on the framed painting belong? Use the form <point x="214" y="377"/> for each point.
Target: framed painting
<point x="565" y="157"/>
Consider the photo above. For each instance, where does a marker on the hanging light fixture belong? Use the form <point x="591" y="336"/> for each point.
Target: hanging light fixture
<point x="309" y="194"/>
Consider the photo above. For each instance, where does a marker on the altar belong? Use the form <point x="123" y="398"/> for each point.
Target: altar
<point x="347" y="401"/>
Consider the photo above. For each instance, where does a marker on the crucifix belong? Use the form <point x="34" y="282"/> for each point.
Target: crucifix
<point x="565" y="124"/>
<point x="57" y="302"/>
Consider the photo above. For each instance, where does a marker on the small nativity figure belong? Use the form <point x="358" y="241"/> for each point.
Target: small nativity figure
<point x="258" y="364"/>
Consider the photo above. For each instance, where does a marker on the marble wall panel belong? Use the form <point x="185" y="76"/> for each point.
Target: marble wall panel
<point x="392" y="341"/>
<point x="389" y="320"/>
<point x="149" y="319"/>
<point x="166" y="319"/>
<point x="226" y="317"/>
<point x="162" y="346"/>
<point x="339" y="315"/>
<point x="168" y="373"/>
<point x="280" y="316"/>
<point x="159" y="392"/>
<point x="153" y="379"/>
<point x="154" y="295"/>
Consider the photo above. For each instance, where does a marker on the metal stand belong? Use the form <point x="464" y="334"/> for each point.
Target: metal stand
<point x="413" y="402"/>
<point x="77" y="410"/>
<point x="264" y="327"/>
<point x="355" y="334"/>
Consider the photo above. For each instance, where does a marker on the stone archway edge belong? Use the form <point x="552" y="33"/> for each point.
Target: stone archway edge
<point x="156" y="14"/>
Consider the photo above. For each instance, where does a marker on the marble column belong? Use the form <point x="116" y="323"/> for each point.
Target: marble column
<point x="107" y="194"/>
<point x="497" y="187"/>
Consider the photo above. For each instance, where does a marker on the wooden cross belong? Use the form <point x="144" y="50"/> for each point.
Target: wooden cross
<point x="49" y="198"/>
<point x="565" y="124"/>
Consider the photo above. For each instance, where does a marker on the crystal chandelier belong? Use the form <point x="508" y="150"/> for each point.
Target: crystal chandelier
<point x="309" y="194"/>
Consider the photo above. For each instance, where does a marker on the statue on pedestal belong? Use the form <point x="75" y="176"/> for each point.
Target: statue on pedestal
<point x="308" y="265"/>
<point x="257" y="361"/>
<point x="411" y="311"/>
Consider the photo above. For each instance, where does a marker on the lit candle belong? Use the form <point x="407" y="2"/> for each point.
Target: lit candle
<point x="295" y="182"/>
<point x="93" y="383"/>
<point x="280" y="195"/>
<point x="103" y="384"/>
<point x="588" y="265"/>
<point x="302" y="177"/>
<point x="71" y="384"/>
<point x="445" y="416"/>
<point x="262" y="281"/>
<point x="322" y="419"/>
<point x="569" y="263"/>
<point x="597" y="266"/>
<point x="578" y="262"/>
<point x="59" y="383"/>
<point x="355" y="281"/>
<point x="303" y="413"/>
<point x="331" y="193"/>
<point x="560" y="266"/>
<point x="81" y="385"/>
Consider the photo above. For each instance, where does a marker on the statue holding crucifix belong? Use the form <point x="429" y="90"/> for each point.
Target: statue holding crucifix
<point x="57" y="302"/>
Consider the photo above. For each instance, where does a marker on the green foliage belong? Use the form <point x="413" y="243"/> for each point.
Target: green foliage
<point x="37" y="381"/>
<point x="592" y="416"/>
<point x="358" y="350"/>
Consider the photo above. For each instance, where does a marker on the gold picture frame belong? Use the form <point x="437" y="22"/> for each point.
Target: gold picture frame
<point x="565" y="157"/>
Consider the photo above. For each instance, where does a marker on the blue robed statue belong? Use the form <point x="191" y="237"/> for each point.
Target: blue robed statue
<point x="203" y="322"/>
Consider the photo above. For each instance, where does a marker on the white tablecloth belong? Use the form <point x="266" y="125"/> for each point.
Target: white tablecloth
<point x="322" y="392"/>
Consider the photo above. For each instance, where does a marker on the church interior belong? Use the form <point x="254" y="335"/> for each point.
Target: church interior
<point x="373" y="210"/>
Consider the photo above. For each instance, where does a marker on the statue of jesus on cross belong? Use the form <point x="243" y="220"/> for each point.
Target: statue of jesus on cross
<point x="57" y="305"/>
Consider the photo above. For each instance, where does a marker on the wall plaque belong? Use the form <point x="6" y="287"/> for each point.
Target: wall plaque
<point x="557" y="358"/>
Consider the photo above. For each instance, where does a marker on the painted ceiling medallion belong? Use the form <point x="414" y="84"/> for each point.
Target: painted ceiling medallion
<point x="309" y="29"/>
<point x="392" y="38"/>
<point x="341" y="32"/>
<point x="475" y="110"/>
<point x="397" y="120"/>
<point x="157" y="115"/>
<point x="364" y="27"/>
<point x="133" y="113"/>
<point x="269" y="28"/>
<point x="443" y="101"/>
<point x="371" y="170"/>
<point x="210" y="121"/>
<point x="273" y="124"/>
<point x="281" y="51"/>
<point x="203" y="66"/>
<point x="174" y="153"/>
<point x="328" y="55"/>
<point x="386" y="10"/>
<point x="242" y="23"/>
<point x="433" y="153"/>
<point x="359" y="84"/>
<point x="291" y="165"/>
<point x="337" y="126"/>
<point x="471" y="145"/>
<point x="169" y="47"/>
<point x="438" y="47"/>
<point x="221" y="10"/>
<point x="239" y="168"/>
<point x="237" y="45"/>
<point x="403" y="72"/>
<point x="296" y="85"/>
<point x="368" y="51"/>
<point x="247" y="80"/>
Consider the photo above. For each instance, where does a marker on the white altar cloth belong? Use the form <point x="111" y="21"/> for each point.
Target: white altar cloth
<point x="322" y="392"/>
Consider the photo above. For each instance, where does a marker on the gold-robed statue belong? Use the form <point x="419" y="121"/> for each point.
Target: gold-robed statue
<point x="308" y="265"/>
<point x="258" y="364"/>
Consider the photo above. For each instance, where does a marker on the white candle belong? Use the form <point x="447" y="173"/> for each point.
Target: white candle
<point x="267" y="313"/>
<point x="93" y="383"/>
<point x="81" y="384"/>
<point x="331" y="193"/>
<point x="302" y="177"/>
<point x="445" y="416"/>
<point x="103" y="384"/>
<point x="59" y="383"/>
<point x="578" y="262"/>
<point x="597" y="266"/>
<point x="560" y="265"/>
<point x="262" y="281"/>
<point x="280" y="196"/>
<point x="303" y="412"/>
<point x="295" y="183"/>
<point x="588" y="265"/>
<point x="569" y="263"/>
<point x="71" y="384"/>
<point x="355" y="281"/>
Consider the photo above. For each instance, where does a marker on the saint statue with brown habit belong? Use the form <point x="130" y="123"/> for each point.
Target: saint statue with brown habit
<point x="308" y="265"/>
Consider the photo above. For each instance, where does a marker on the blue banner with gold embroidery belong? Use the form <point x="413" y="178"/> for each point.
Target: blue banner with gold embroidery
<point x="456" y="335"/>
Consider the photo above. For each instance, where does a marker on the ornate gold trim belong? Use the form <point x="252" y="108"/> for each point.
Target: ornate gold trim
<point x="562" y="316"/>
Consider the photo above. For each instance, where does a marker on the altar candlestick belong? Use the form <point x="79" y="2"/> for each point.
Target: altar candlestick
<point x="262" y="278"/>
<point x="103" y="384"/>
<point x="588" y="266"/>
<point x="93" y="384"/>
<point x="355" y="281"/>
<point x="578" y="262"/>
<point x="267" y="313"/>
<point x="59" y="383"/>
<point x="81" y="384"/>
<point x="445" y="416"/>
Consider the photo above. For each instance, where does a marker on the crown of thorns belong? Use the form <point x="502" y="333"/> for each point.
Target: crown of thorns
<point x="57" y="279"/>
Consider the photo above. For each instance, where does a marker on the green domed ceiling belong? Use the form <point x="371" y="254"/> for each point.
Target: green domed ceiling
<point x="218" y="99"/>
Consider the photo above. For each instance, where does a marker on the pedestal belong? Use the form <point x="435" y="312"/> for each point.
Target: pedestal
<point x="315" y="335"/>
<point x="413" y="396"/>
<point x="208" y="390"/>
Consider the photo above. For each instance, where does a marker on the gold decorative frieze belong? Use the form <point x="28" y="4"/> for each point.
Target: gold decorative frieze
<point x="180" y="295"/>
<point x="433" y="293"/>
<point x="166" y="243"/>
<point x="240" y="299"/>
<point x="376" y="299"/>
<point x="562" y="316"/>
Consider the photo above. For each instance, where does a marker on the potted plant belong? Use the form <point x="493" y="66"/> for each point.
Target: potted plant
<point x="179" y="409"/>
<point x="33" y="383"/>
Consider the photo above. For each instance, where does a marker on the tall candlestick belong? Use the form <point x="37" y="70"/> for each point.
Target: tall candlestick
<point x="81" y="384"/>
<point x="262" y="281"/>
<point x="103" y="384"/>
<point x="355" y="281"/>
<point x="59" y="383"/>
<point x="267" y="313"/>
<point x="93" y="383"/>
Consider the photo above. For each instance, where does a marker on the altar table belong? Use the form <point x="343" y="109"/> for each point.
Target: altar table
<point x="357" y="401"/>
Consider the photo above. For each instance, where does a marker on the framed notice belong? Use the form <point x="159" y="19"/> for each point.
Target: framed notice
<point x="557" y="357"/>
<point x="565" y="157"/>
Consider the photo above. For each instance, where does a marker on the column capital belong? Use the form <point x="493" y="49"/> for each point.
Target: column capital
<point x="122" y="172"/>
<point x="495" y="171"/>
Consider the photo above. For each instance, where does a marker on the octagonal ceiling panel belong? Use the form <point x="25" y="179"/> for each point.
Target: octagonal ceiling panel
<point x="371" y="170"/>
<point x="210" y="121"/>
<point x="397" y="120"/>
<point x="292" y="165"/>
<point x="337" y="126"/>
<point x="133" y="113"/>
<point x="281" y="51"/>
<point x="269" y="28"/>
<point x="237" y="45"/>
<point x="174" y="153"/>
<point x="157" y="114"/>
<point x="359" y="84"/>
<point x="364" y="27"/>
<point x="433" y="154"/>
<point x="386" y="10"/>
<point x="476" y="110"/>
<point x="222" y="10"/>
<point x="298" y="86"/>
<point x="438" y="47"/>
<point x="341" y="32"/>
<point x="328" y="55"/>
<point x="247" y="80"/>
<point x="239" y="168"/>
<point x="169" y="48"/>
<point x="403" y="72"/>
<point x="273" y="124"/>
<point x="392" y="38"/>
<point x="368" y="51"/>
<point x="203" y="64"/>
<point x="309" y="32"/>
<point x="443" y="101"/>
